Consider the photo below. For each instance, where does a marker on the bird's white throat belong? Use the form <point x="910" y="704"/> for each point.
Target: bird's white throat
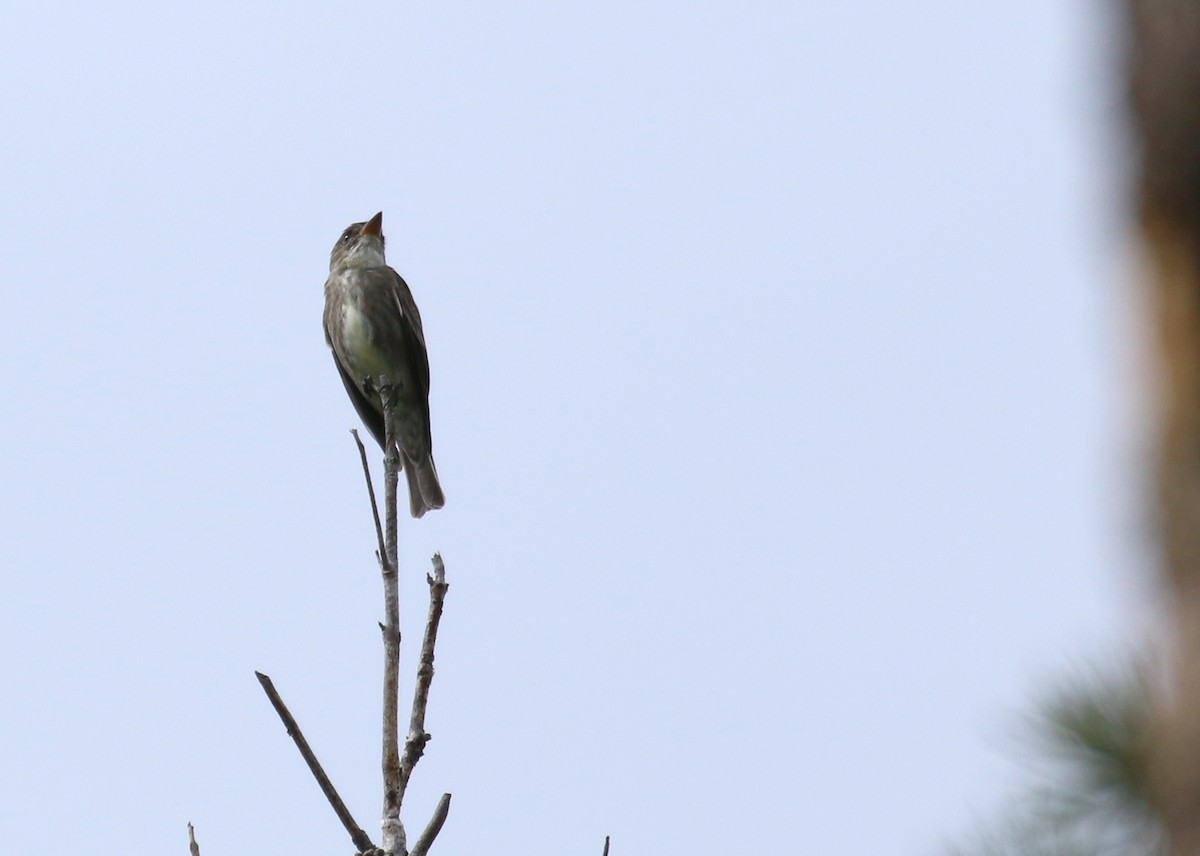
<point x="365" y="252"/>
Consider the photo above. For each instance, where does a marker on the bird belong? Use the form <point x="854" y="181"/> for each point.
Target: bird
<point x="373" y="328"/>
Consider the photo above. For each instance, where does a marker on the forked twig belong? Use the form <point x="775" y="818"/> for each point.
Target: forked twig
<point x="396" y="770"/>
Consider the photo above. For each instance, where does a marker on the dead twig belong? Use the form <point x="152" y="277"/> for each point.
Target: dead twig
<point x="414" y="743"/>
<point x="433" y="828"/>
<point x="362" y="454"/>
<point x="361" y="840"/>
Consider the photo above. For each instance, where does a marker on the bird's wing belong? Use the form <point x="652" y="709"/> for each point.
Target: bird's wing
<point x="414" y="342"/>
<point x="415" y="355"/>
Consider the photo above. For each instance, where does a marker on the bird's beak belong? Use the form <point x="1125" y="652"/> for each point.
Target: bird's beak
<point x="374" y="226"/>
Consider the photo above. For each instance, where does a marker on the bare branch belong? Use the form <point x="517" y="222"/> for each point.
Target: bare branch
<point x="393" y="783"/>
<point x="433" y="828"/>
<point x="414" y="743"/>
<point x="362" y="454"/>
<point x="1163" y="66"/>
<point x="192" y="845"/>
<point x="361" y="840"/>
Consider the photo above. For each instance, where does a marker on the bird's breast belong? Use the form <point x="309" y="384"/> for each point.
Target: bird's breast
<point x="359" y="338"/>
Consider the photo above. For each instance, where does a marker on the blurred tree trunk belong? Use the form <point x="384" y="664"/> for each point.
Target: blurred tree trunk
<point x="1164" y="73"/>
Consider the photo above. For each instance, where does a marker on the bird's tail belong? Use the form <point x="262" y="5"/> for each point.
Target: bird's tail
<point x="424" y="490"/>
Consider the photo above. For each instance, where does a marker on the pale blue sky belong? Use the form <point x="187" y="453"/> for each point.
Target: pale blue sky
<point x="781" y="396"/>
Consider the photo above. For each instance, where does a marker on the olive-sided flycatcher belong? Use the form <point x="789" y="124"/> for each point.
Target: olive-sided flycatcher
<point x="373" y="326"/>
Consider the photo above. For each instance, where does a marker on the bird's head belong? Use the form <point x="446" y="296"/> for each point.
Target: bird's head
<point x="361" y="245"/>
